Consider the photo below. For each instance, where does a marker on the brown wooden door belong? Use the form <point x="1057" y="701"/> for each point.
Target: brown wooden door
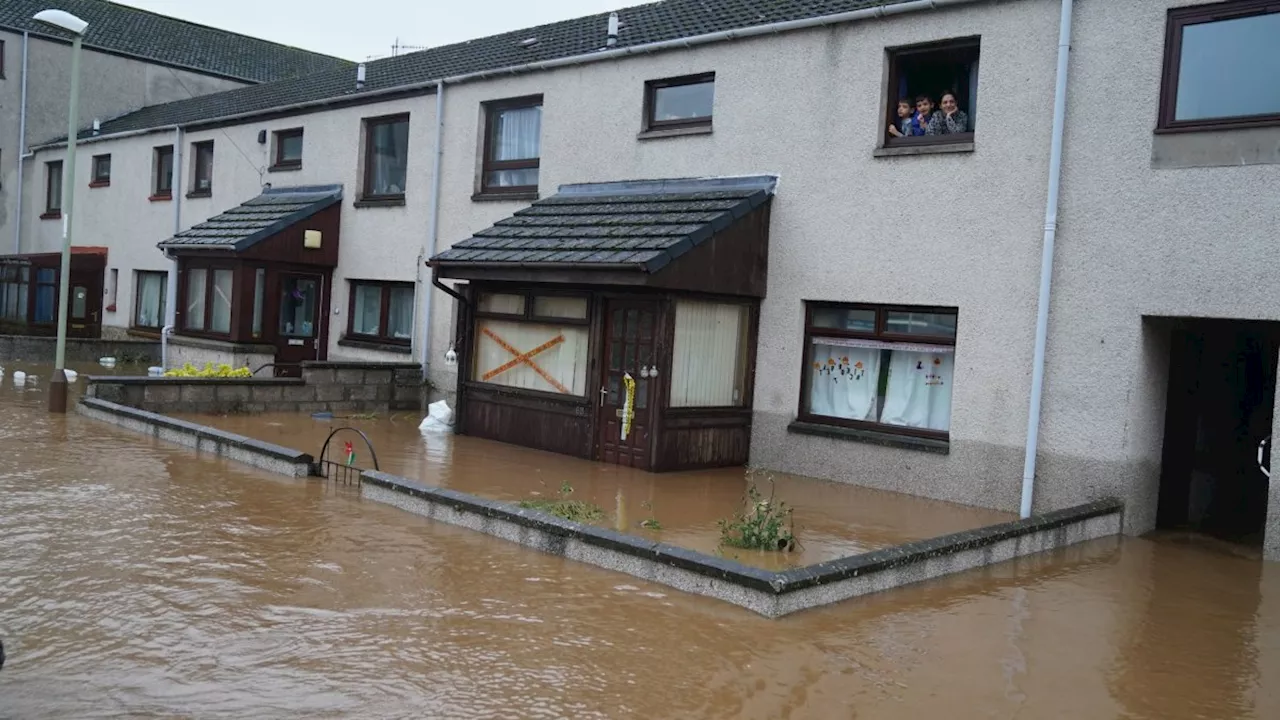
<point x="300" y="321"/>
<point x="84" y="316"/>
<point x="629" y="348"/>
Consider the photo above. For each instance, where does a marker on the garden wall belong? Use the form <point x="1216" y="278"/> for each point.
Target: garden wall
<point x="33" y="348"/>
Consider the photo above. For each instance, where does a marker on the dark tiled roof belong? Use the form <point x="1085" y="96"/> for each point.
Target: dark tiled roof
<point x="256" y="220"/>
<point x="130" y="31"/>
<point x="640" y="25"/>
<point x="643" y="225"/>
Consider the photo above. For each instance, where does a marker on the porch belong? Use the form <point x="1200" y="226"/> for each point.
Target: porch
<point x="30" y="286"/>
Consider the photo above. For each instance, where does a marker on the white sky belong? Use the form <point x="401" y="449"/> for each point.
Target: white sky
<point x="358" y="29"/>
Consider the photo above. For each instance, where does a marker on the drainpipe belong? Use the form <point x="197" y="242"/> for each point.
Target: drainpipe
<point x="433" y="227"/>
<point x="171" y="290"/>
<point x="1046" y="258"/>
<point x="22" y="146"/>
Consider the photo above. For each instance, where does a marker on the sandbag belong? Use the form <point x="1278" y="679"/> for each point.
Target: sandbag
<point x="439" y="418"/>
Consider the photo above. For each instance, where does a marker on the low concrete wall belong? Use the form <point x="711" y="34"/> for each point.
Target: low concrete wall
<point x="199" y="351"/>
<point x="41" y="349"/>
<point x="769" y="593"/>
<point x="323" y="387"/>
<point x="256" y="453"/>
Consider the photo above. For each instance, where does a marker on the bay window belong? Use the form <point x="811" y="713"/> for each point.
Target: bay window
<point x="381" y="311"/>
<point x="709" y="362"/>
<point x="886" y="368"/>
<point x="532" y="343"/>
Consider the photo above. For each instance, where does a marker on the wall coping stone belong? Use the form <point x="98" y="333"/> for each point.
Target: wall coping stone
<point x="215" y="381"/>
<point x="358" y="365"/>
<point x="213" y="344"/>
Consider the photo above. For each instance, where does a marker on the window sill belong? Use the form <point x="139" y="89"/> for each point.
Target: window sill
<point x="376" y="202"/>
<point x="160" y="198"/>
<point x="380" y="345"/>
<point x="291" y="167"/>
<point x="888" y="439"/>
<point x="100" y="183"/>
<point x="932" y="149"/>
<point x="504" y="196"/>
<point x="51" y="215"/>
<point x="199" y="194"/>
<point x="656" y="133"/>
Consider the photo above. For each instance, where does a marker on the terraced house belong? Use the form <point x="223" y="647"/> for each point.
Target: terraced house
<point x="707" y="233"/>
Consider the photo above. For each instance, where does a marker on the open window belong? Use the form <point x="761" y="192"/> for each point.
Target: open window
<point x="932" y="94"/>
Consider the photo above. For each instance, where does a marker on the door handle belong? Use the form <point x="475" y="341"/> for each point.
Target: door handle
<point x="604" y="395"/>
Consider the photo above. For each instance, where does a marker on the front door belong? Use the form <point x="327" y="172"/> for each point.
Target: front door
<point x="299" y="334"/>
<point x="630" y="350"/>
<point x="84" y="316"/>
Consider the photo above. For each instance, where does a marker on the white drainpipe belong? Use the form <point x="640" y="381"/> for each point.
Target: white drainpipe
<point x="433" y="229"/>
<point x="22" y="146"/>
<point x="1046" y="258"/>
<point x="171" y="292"/>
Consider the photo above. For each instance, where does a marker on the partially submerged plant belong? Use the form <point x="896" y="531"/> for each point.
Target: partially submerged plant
<point x="651" y="522"/>
<point x="765" y="524"/>
<point x="573" y="510"/>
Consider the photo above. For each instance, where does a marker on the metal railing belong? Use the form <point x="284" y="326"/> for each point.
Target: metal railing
<point x="343" y="471"/>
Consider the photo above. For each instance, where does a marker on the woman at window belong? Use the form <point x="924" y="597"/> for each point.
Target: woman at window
<point x="950" y="119"/>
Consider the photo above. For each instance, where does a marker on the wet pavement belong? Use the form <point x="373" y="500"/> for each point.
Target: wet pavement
<point x="138" y="580"/>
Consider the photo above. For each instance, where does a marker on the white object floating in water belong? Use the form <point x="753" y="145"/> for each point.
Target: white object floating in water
<point x="155" y="371"/>
<point x="19" y="377"/>
<point x="439" y="418"/>
<point x="71" y="375"/>
<point x="107" y="361"/>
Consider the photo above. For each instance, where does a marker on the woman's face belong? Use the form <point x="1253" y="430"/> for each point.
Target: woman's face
<point x="949" y="103"/>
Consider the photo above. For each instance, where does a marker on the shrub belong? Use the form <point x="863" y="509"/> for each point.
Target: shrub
<point x="210" y="371"/>
<point x="764" y="525"/>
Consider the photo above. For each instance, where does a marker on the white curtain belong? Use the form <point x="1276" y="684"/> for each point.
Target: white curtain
<point x="919" y="390"/>
<point x="709" y="359"/>
<point x="221" y="320"/>
<point x="516" y="136"/>
<point x="400" y="314"/>
<point x="150" y="297"/>
<point x="368" y="314"/>
<point x="565" y="361"/>
<point x="844" y="381"/>
<point x="195" y="299"/>
<point x="390" y="157"/>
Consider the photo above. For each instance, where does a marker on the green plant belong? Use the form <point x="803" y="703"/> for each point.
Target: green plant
<point x="765" y="524"/>
<point x="574" y="510"/>
<point x="210" y="371"/>
<point x="651" y="522"/>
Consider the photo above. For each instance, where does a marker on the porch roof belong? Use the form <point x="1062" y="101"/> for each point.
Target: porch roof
<point x="242" y="227"/>
<point x="629" y="226"/>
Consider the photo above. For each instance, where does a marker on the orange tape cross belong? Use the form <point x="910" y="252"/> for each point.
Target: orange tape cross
<point x="526" y="358"/>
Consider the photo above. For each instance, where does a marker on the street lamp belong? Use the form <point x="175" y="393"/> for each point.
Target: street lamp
<point x="74" y="25"/>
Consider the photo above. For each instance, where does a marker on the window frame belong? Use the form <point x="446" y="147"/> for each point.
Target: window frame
<point x="184" y="279"/>
<point x="880" y="334"/>
<point x="1178" y="19"/>
<point x="527" y="314"/>
<point x="491" y="108"/>
<point x="384" y="288"/>
<point x="467" y="370"/>
<point x="97" y="179"/>
<point x="278" y="162"/>
<point x="651" y="88"/>
<point x="201" y="159"/>
<point x="889" y="114"/>
<point x="137" y="299"/>
<point x="367" y="172"/>
<point x="157" y="171"/>
<point x="52" y="200"/>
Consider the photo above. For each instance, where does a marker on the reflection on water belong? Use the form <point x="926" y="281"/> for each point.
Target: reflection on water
<point x="137" y="580"/>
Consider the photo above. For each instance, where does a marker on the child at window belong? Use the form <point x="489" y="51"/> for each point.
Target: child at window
<point x="903" y="127"/>
<point x="950" y="119"/>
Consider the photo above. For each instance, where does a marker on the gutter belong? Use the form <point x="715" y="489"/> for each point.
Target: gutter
<point x="22" y="146"/>
<point x="871" y="13"/>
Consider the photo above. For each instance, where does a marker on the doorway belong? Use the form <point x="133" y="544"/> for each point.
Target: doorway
<point x="299" y="335"/>
<point x="1222" y="376"/>
<point x="629" y="350"/>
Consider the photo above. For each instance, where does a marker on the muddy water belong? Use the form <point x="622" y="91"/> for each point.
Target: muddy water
<point x="830" y="520"/>
<point x="137" y="580"/>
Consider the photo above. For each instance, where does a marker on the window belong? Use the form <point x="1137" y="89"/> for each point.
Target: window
<point x="149" y="299"/>
<point x="202" y="181"/>
<point x="46" y="295"/>
<point x="100" y="172"/>
<point x="1220" y="66"/>
<point x="208" y="307"/>
<point x="513" y="129"/>
<point x="681" y="102"/>
<point x="112" y="288"/>
<point x="933" y="93"/>
<point x="15" y="286"/>
<point x="386" y="157"/>
<point x="1" y="59"/>
<point x="288" y="153"/>
<point x="162" y="173"/>
<point x="518" y="349"/>
<point x="53" y="189"/>
<point x="709" y="363"/>
<point x="381" y="311"/>
<point x="259" y="295"/>
<point x="882" y="367"/>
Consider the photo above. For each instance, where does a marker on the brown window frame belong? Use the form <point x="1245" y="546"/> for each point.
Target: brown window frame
<point x="491" y="108"/>
<point x="137" y="298"/>
<point x="1" y="59"/>
<point x="97" y="178"/>
<point x="201" y="163"/>
<point x="651" y="88"/>
<point x="278" y="161"/>
<point x="158" y="155"/>
<point x="527" y="314"/>
<point x="53" y="200"/>
<point x="1178" y="19"/>
<point x="367" y="172"/>
<point x="183" y="281"/>
<point x="881" y="333"/>
<point x="385" y="287"/>
<point x="890" y="115"/>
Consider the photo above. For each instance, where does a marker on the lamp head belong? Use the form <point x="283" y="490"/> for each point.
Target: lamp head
<point x="62" y="19"/>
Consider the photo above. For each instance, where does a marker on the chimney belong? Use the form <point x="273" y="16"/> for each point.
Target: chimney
<point x="613" y="30"/>
<point x="360" y="76"/>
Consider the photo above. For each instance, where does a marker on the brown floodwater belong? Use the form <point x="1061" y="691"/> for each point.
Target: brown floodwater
<point x="830" y="520"/>
<point x="139" y="580"/>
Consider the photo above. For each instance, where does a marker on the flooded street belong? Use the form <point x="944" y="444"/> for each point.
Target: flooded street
<point x="139" y="580"/>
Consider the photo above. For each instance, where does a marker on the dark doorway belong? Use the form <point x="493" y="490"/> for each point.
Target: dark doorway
<point x="1221" y="399"/>
<point x="630" y="330"/>
<point x="300" y="333"/>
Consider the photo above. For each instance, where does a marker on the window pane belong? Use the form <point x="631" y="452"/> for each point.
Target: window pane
<point x="560" y="368"/>
<point x="560" y="307"/>
<point x="390" y="156"/>
<point x="164" y="171"/>
<point x="844" y="381"/>
<point x="221" y="320"/>
<point x="1229" y="68"/>
<point x="400" y="314"/>
<point x="368" y="313"/>
<point x="502" y="303"/>
<point x="46" y="293"/>
<point x="102" y="168"/>
<point x="683" y="102"/>
<point x="512" y="178"/>
<point x="150" y="300"/>
<point x="204" y="166"/>
<point x="918" y="393"/>
<point x="259" y="293"/>
<point x="916" y="323"/>
<point x="889" y="383"/>
<point x="845" y="319"/>
<point x="79" y="302"/>
<point x="709" y="365"/>
<point x="54" y="189"/>
<point x="290" y="147"/>
<point x="515" y="134"/>
<point x="196" y="279"/>
<point x="298" y="301"/>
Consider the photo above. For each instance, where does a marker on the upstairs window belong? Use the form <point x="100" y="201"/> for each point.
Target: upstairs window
<point x="386" y="157"/>
<point x="1221" y="66"/>
<point x="683" y="102"/>
<point x="288" y="153"/>
<point x="933" y="93"/>
<point x="202" y="176"/>
<point x="162" y="173"/>
<point x="512" y="146"/>
<point x="53" y="189"/>
<point x="100" y="174"/>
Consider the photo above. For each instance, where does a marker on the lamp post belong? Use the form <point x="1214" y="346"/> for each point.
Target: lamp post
<point x="74" y="25"/>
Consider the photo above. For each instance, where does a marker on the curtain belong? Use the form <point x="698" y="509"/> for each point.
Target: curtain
<point x="195" y="299"/>
<point x="259" y="295"/>
<point x="516" y="136"/>
<point x="368" y="313"/>
<point x="918" y="393"/>
<point x="502" y="303"/>
<point x="221" y="320"/>
<point x="709" y="360"/>
<point x="565" y="361"/>
<point x="560" y="307"/>
<point x="46" y="290"/>
<point x="150" y="300"/>
<point x="390" y="157"/>
<point x="844" y="381"/>
<point x="400" y="314"/>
